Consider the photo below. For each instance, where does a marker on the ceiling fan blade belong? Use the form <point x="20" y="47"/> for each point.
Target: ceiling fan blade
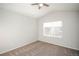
<point x="46" y="5"/>
<point x="35" y="3"/>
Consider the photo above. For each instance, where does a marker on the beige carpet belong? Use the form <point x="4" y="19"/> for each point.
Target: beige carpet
<point x="41" y="49"/>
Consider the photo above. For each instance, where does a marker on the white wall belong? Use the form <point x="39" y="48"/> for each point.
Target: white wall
<point x="16" y="30"/>
<point x="78" y="29"/>
<point x="70" y="29"/>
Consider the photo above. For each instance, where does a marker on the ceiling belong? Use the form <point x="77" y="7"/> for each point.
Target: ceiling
<point x="33" y="11"/>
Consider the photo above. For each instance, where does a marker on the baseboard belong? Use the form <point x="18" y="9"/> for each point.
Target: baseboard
<point x="59" y="45"/>
<point x="32" y="42"/>
<point x="18" y="47"/>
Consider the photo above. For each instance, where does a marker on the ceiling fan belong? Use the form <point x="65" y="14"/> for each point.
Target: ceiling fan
<point x="40" y="5"/>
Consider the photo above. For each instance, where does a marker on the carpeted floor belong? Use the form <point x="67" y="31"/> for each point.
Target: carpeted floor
<point x="41" y="49"/>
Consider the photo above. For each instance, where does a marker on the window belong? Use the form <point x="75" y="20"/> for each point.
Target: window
<point x="53" y="29"/>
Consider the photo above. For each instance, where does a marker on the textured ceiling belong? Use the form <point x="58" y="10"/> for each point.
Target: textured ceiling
<point x="33" y="11"/>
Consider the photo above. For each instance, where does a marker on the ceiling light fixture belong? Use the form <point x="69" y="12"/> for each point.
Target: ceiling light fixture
<point x="40" y="5"/>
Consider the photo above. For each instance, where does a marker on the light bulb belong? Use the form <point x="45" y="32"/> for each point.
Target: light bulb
<point x="40" y="4"/>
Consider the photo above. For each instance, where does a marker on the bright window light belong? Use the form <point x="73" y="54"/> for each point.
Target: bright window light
<point x="53" y="29"/>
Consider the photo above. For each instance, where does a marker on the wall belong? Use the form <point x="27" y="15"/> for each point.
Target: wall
<point x="78" y="29"/>
<point x="16" y="30"/>
<point x="70" y="29"/>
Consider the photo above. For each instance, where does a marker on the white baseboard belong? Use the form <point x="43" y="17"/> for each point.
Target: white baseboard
<point x="60" y="45"/>
<point x="18" y="46"/>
